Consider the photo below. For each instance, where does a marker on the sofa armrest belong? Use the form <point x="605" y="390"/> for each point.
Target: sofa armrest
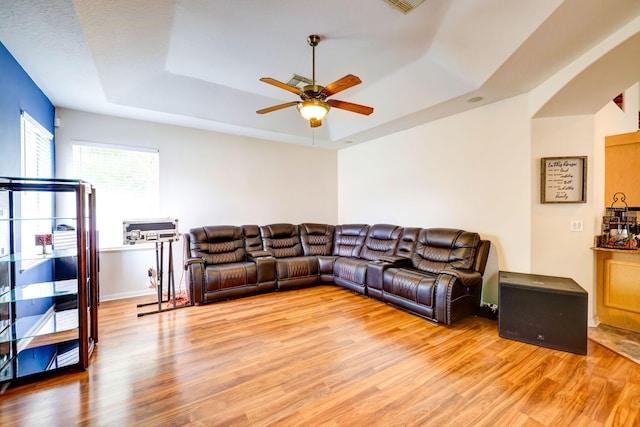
<point x="255" y="255"/>
<point x="325" y="264"/>
<point x="190" y="261"/>
<point x="266" y="264"/>
<point x="266" y="268"/>
<point x="395" y="260"/>
<point x="457" y="294"/>
<point x="375" y="269"/>
<point x="195" y="278"/>
<point x="466" y="277"/>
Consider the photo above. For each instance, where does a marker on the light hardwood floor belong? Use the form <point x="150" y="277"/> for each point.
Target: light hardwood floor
<point x="323" y="356"/>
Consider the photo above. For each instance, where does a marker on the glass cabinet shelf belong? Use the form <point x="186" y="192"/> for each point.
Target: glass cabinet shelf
<point x="60" y="253"/>
<point x="59" y="220"/>
<point x="40" y="290"/>
<point x="67" y="358"/>
<point x="35" y="331"/>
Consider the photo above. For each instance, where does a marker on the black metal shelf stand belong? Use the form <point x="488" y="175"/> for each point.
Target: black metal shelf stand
<point x="171" y="285"/>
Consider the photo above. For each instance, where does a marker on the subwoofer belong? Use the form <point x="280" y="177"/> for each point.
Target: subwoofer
<point x="543" y="310"/>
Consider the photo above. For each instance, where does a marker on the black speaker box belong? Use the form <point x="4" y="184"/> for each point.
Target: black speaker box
<point x="543" y="310"/>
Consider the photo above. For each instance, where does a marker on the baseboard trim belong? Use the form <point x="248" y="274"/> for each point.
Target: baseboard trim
<point x="125" y="295"/>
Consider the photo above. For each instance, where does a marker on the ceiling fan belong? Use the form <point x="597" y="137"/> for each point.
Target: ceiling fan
<point x="313" y="104"/>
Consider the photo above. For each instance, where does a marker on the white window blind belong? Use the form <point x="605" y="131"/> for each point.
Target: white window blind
<point x="37" y="162"/>
<point x="127" y="182"/>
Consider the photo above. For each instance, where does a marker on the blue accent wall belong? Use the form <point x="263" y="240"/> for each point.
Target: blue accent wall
<point x="17" y="93"/>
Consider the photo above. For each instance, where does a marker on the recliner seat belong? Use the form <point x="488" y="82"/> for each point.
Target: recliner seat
<point x="293" y="267"/>
<point x="350" y="271"/>
<point x="318" y="240"/>
<point x="219" y="267"/>
<point x="440" y="282"/>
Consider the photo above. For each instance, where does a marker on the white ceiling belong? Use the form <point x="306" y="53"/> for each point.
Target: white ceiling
<point x="197" y="63"/>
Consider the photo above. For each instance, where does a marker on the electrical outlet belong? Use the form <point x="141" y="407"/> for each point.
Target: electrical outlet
<point x="576" y="225"/>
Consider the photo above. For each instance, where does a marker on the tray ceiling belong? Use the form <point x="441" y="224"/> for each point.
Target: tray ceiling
<point x="197" y="63"/>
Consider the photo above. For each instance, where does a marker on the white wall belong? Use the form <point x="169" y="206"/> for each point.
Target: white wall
<point x="206" y="178"/>
<point x="555" y="249"/>
<point x="469" y="171"/>
<point x="480" y="171"/>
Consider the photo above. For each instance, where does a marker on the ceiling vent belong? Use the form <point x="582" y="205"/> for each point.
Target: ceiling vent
<point x="405" y="6"/>
<point x="299" y="81"/>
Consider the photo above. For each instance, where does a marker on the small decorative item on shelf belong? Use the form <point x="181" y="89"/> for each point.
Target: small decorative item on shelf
<point x="619" y="226"/>
<point x="44" y="240"/>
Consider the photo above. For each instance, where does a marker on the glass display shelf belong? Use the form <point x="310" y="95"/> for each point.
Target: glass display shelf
<point x="66" y="354"/>
<point x="69" y="357"/>
<point x="48" y="328"/>
<point x="57" y="219"/>
<point x="56" y="253"/>
<point x="40" y="290"/>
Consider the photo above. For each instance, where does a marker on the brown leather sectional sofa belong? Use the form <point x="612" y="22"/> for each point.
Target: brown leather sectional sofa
<point x="435" y="273"/>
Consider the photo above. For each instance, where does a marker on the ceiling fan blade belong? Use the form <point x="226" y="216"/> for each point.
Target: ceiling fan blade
<point x="341" y="84"/>
<point x="277" y="107"/>
<point x="315" y="123"/>
<point x="281" y="85"/>
<point x="349" y="106"/>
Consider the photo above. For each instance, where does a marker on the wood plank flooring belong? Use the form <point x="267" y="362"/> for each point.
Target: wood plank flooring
<point x="323" y="356"/>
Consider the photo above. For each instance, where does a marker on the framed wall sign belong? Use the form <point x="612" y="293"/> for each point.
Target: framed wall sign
<point x="563" y="179"/>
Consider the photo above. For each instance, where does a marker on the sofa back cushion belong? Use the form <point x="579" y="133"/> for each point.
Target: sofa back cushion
<point x="252" y="238"/>
<point x="407" y="242"/>
<point x="349" y="239"/>
<point x="217" y="244"/>
<point x="382" y="239"/>
<point x="441" y="248"/>
<point x="316" y="239"/>
<point x="281" y="239"/>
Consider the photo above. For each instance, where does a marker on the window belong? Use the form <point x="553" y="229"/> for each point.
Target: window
<point x="126" y="181"/>
<point x="37" y="162"/>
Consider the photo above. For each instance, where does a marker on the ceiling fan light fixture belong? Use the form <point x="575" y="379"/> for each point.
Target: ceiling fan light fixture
<point x="313" y="109"/>
<point x="313" y="104"/>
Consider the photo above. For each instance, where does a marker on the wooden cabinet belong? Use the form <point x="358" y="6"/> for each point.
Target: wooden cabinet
<point x="622" y="164"/>
<point x="618" y="287"/>
<point x="48" y="277"/>
<point x="618" y="271"/>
